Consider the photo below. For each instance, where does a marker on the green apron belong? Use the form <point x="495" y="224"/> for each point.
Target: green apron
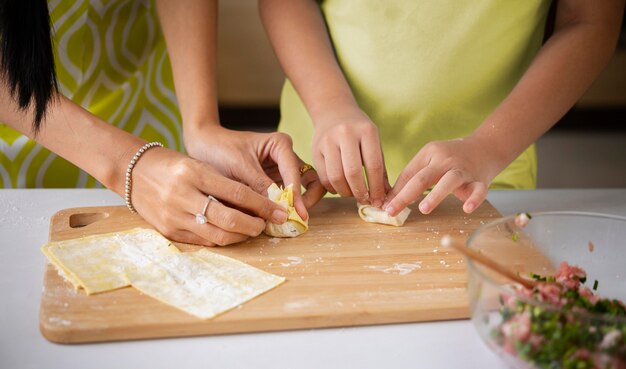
<point x="111" y="59"/>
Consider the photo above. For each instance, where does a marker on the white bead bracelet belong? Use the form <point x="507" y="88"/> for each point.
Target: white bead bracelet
<point x="129" y="173"/>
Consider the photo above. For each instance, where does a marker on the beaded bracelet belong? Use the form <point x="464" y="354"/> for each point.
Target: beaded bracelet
<point x="129" y="173"/>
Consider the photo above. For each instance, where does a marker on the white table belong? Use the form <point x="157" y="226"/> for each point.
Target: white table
<point x="24" y="217"/>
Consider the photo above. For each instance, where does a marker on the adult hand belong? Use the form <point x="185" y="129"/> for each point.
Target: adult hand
<point x="462" y="166"/>
<point x="342" y="145"/>
<point x="256" y="159"/>
<point x="169" y="188"/>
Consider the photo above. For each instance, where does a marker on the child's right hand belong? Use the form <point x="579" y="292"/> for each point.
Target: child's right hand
<point x="343" y="144"/>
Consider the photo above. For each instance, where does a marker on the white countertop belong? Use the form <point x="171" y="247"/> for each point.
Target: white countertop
<point x="24" y="217"/>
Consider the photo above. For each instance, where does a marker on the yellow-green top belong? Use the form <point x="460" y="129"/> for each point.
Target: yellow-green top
<point x="428" y="70"/>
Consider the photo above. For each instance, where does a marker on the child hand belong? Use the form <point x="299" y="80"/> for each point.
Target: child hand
<point x="342" y="146"/>
<point x="461" y="166"/>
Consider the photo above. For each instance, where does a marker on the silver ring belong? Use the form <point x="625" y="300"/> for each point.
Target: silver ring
<point x="201" y="217"/>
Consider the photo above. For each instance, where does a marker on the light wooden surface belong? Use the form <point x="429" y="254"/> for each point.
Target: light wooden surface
<point x="342" y="272"/>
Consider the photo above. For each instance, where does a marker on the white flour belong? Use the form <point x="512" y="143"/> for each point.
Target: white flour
<point x="293" y="260"/>
<point x="397" y="268"/>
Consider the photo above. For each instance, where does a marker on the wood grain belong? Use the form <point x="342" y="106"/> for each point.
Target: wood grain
<point x="351" y="273"/>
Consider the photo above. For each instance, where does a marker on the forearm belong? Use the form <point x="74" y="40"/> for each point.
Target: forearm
<point x="78" y="136"/>
<point x="190" y="30"/>
<point x="582" y="44"/>
<point x="298" y="34"/>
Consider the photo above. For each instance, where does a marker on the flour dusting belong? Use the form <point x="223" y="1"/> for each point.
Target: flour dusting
<point x="293" y="260"/>
<point x="397" y="268"/>
<point x="58" y="321"/>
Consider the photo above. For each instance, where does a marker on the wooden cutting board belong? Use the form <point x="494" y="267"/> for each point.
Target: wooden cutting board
<point x="342" y="272"/>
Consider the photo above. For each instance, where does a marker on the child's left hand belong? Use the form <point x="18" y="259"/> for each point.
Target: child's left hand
<point x="464" y="167"/>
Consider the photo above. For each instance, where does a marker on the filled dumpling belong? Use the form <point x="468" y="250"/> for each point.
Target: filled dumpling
<point x="373" y="214"/>
<point x="294" y="226"/>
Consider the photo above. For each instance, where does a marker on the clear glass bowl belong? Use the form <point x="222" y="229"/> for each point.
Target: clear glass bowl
<point x="595" y="242"/>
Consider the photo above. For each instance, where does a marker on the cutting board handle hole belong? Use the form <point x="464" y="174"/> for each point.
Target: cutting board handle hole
<point x="85" y="219"/>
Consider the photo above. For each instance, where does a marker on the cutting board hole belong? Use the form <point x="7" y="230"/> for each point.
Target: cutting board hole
<point x="85" y="219"/>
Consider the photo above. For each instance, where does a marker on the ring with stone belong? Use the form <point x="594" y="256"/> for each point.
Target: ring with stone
<point x="305" y="168"/>
<point x="201" y="217"/>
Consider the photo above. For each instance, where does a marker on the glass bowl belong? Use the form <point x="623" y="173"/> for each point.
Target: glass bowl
<point x="575" y="339"/>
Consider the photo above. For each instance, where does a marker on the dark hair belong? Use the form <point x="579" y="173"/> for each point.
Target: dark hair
<point x="26" y="58"/>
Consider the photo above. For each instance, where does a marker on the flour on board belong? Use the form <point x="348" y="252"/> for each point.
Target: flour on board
<point x="293" y="260"/>
<point x="397" y="268"/>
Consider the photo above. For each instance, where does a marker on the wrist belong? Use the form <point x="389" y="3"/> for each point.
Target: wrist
<point x="339" y="114"/>
<point x="495" y="155"/>
<point x="105" y="162"/>
<point x="114" y="174"/>
<point x="200" y="130"/>
<point x="196" y="124"/>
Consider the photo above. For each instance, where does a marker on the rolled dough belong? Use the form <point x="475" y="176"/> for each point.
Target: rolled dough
<point x="201" y="283"/>
<point x="373" y="214"/>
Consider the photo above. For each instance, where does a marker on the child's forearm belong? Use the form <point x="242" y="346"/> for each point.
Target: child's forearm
<point x="78" y="136"/>
<point x="298" y="34"/>
<point x="584" y="39"/>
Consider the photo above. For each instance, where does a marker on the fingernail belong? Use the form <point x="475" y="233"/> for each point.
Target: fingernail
<point x="469" y="207"/>
<point x="279" y="216"/>
<point x="424" y="207"/>
<point x="377" y="203"/>
<point x="389" y="209"/>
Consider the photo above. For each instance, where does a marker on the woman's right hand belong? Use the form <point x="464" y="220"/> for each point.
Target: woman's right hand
<point x="343" y="144"/>
<point x="169" y="188"/>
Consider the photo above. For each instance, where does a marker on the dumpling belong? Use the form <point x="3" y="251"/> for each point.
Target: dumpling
<point x="373" y="214"/>
<point x="294" y="226"/>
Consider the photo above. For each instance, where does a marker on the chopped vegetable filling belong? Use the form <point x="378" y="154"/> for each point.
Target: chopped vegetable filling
<point x="558" y="335"/>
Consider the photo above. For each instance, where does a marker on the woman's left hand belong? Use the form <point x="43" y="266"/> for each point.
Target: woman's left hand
<point x="464" y="167"/>
<point x="257" y="160"/>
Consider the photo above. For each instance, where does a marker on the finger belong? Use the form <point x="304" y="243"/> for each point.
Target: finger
<point x="314" y="188"/>
<point x="353" y="171"/>
<point x="239" y="195"/>
<point x="232" y="220"/>
<point x="289" y="167"/>
<point x="320" y="164"/>
<point x="416" y="164"/>
<point x="479" y="193"/>
<point x="375" y="169"/>
<point x="212" y="233"/>
<point x="256" y="179"/>
<point x="450" y="181"/>
<point x="334" y="169"/>
<point x="184" y="236"/>
<point x="413" y="189"/>
<point x="386" y="183"/>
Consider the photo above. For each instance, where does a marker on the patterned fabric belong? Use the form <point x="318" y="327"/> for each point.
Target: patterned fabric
<point x="111" y="59"/>
<point x="427" y="70"/>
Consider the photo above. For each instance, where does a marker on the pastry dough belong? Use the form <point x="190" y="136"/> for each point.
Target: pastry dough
<point x="294" y="226"/>
<point x="200" y="283"/>
<point x="97" y="263"/>
<point x="373" y="214"/>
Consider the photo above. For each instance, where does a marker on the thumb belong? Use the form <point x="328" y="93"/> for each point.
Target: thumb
<point x="255" y="178"/>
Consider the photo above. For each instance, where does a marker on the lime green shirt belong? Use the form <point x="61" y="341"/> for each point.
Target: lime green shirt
<point x="428" y="70"/>
<point x="111" y="59"/>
